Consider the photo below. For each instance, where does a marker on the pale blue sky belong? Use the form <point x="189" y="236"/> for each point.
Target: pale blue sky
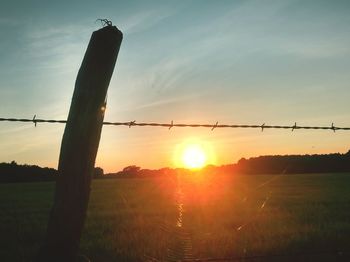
<point x="273" y="62"/>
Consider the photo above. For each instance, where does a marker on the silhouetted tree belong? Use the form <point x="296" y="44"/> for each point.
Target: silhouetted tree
<point x="131" y="170"/>
<point x="98" y="172"/>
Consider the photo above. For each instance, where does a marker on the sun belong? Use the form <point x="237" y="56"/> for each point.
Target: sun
<point x="194" y="153"/>
<point x="193" y="156"/>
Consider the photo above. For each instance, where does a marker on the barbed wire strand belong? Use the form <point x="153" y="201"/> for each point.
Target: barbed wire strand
<point x="172" y="124"/>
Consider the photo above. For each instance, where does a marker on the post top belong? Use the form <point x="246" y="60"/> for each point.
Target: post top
<point x="107" y="26"/>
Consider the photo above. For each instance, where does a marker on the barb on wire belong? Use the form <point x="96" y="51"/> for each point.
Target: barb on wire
<point x="214" y="126"/>
<point x="132" y="123"/>
<point x="333" y="128"/>
<point x="34" y="120"/>
<point x="171" y="125"/>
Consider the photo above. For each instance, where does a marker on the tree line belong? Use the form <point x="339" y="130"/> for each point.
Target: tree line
<point x="13" y="172"/>
<point x="274" y="164"/>
<point x="292" y="164"/>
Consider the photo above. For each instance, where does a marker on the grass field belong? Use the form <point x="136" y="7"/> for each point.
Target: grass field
<point x="285" y="217"/>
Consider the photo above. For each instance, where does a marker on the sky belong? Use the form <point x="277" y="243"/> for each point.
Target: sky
<point x="232" y="62"/>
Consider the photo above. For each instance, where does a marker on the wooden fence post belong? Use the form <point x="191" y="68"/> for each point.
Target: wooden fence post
<point x="79" y="147"/>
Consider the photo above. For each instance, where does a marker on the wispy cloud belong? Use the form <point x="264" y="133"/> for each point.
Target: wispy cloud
<point x="144" y="20"/>
<point x="166" y="102"/>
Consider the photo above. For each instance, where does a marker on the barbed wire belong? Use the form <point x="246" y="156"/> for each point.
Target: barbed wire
<point x="172" y="124"/>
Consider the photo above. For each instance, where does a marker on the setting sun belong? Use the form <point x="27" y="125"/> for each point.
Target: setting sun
<point x="194" y="156"/>
<point x="193" y="153"/>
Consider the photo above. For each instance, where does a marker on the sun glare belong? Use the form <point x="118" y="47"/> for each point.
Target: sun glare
<point x="194" y="154"/>
<point x="194" y="157"/>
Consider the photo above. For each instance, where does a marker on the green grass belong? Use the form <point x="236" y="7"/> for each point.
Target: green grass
<point x="136" y="219"/>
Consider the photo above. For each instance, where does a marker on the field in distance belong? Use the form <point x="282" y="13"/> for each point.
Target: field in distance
<point x="265" y="217"/>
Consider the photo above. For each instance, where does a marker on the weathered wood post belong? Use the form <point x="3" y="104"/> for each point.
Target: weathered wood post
<point x="79" y="147"/>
